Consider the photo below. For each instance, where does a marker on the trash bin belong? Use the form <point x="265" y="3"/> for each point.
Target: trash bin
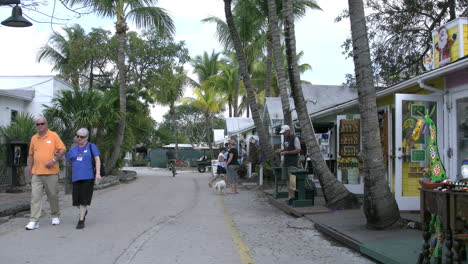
<point x="297" y="183"/>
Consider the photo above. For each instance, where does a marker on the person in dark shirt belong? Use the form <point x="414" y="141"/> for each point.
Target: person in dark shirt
<point x="232" y="165"/>
<point x="290" y="152"/>
<point x="170" y="156"/>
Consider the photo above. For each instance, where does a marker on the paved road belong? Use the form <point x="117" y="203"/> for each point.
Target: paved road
<point x="161" y="219"/>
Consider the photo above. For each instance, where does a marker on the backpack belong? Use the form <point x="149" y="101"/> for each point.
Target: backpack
<point x="102" y="172"/>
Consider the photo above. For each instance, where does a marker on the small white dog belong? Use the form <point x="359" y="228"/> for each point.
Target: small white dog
<point x="219" y="186"/>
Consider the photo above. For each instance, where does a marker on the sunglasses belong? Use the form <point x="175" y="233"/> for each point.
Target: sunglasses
<point x="80" y="136"/>
<point x="40" y="124"/>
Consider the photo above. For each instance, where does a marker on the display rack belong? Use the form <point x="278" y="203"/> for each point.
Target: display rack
<point x="349" y="138"/>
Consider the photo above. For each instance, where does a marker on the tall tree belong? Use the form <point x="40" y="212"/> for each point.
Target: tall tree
<point x="335" y="193"/>
<point x="67" y="53"/>
<point x="400" y="35"/>
<point x="380" y="207"/>
<point x="259" y="125"/>
<point x="144" y="14"/>
<point x="170" y="89"/>
<point x="275" y="38"/>
<point x="226" y="82"/>
<point x="210" y="102"/>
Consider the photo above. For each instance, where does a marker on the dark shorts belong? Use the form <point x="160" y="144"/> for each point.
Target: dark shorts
<point x="221" y="170"/>
<point x="82" y="192"/>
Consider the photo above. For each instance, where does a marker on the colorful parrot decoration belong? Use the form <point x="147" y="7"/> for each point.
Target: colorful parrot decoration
<point x="437" y="170"/>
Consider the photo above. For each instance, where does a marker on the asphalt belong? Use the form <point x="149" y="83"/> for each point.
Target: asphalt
<point x="401" y="245"/>
<point x="17" y="204"/>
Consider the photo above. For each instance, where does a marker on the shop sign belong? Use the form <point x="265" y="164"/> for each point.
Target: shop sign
<point x="418" y="155"/>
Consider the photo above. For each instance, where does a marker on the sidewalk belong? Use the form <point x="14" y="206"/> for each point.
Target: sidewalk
<point x="397" y="246"/>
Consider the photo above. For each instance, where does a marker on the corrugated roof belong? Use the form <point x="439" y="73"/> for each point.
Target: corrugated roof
<point x="236" y="125"/>
<point x="317" y="97"/>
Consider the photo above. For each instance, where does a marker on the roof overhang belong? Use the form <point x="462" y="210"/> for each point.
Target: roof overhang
<point x="23" y="94"/>
<point x="418" y="80"/>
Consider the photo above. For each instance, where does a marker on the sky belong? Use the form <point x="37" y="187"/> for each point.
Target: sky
<point x="317" y="35"/>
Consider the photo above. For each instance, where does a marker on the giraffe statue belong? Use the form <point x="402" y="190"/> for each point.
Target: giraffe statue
<point x="437" y="170"/>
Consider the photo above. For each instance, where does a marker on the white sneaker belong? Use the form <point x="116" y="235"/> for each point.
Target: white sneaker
<point x="32" y="225"/>
<point x="56" y="221"/>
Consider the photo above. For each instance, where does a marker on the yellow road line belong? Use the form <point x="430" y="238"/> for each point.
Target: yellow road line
<point x="242" y="249"/>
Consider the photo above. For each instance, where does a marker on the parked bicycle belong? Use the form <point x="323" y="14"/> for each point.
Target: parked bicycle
<point x="182" y="163"/>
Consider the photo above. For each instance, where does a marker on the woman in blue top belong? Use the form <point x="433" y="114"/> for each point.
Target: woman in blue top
<point x="83" y="174"/>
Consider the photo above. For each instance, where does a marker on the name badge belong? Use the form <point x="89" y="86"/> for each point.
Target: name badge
<point x="85" y="151"/>
<point x="48" y="141"/>
<point x="79" y="158"/>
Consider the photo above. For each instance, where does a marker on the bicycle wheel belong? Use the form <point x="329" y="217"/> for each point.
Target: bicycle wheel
<point x="186" y="164"/>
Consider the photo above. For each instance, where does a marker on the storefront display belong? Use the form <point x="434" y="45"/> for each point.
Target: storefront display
<point x="349" y="138"/>
<point x="349" y="147"/>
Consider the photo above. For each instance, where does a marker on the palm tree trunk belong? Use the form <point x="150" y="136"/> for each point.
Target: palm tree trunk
<point x="209" y="127"/>
<point x="335" y="193"/>
<point x="279" y="63"/>
<point x="174" y="128"/>
<point x="236" y="97"/>
<point x="269" y="65"/>
<point x="121" y="29"/>
<point x="380" y="207"/>
<point x="259" y="126"/>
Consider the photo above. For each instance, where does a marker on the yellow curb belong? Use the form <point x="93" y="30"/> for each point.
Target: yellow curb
<point x="242" y="249"/>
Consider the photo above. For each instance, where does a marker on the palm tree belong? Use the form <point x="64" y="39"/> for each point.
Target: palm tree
<point x="169" y="90"/>
<point x="276" y="44"/>
<point x="226" y="82"/>
<point x="67" y="53"/>
<point x="335" y="193"/>
<point x="241" y="58"/>
<point x="206" y="66"/>
<point x="380" y="207"/>
<point x="22" y="127"/>
<point x="71" y="110"/>
<point x="210" y="102"/>
<point x="144" y="15"/>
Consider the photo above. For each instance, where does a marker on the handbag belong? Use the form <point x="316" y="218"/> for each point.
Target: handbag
<point x="102" y="172"/>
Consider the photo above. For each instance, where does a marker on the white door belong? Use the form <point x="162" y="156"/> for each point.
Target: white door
<point x="458" y="145"/>
<point x="411" y="156"/>
<point x="386" y="133"/>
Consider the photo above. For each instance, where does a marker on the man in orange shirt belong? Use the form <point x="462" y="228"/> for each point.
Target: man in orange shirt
<point x="45" y="150"/>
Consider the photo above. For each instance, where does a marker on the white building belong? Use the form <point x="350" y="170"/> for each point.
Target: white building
<point x="27" y="94"/>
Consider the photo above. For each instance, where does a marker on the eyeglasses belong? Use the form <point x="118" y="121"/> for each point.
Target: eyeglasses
<point x="78" y="136"/>
<point x="40" y="124"/>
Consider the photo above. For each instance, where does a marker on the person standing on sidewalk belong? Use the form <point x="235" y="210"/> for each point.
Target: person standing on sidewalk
<point x="220" y="169"/>
<point x="290" y="152"/>
<point x="45" y="150"/>
<point x="232" y="165"/>
<point x="84" y="172"/>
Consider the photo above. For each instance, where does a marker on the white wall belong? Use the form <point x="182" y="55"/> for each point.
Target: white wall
<point x="45" y="87"/>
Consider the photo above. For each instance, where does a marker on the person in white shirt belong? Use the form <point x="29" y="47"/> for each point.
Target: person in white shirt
<point x="222" y="157"/>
